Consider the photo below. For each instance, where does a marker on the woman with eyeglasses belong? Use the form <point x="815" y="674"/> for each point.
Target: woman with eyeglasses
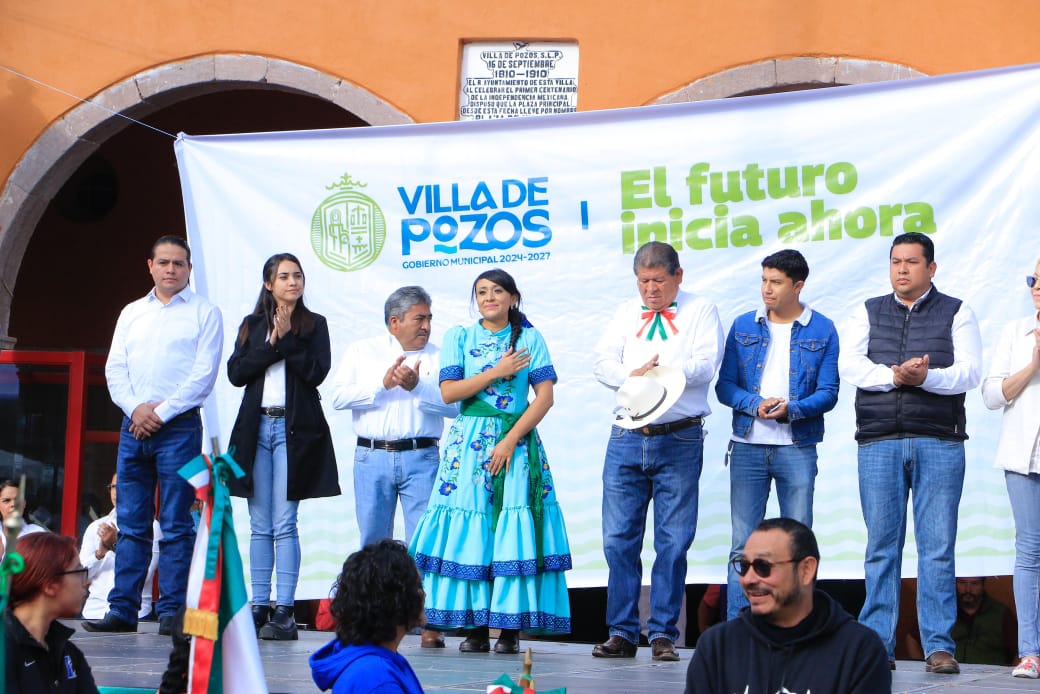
<point x="1013" y="385"/>
<point x="280" y="438"/>
<point x="40" y="657"/>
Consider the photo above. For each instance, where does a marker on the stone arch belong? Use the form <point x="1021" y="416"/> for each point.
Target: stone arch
<point x="67" y="143"/>
<point x="788" y="74"/>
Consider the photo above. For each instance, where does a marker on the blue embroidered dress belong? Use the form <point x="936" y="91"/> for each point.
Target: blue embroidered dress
<point x="473" y="575"/>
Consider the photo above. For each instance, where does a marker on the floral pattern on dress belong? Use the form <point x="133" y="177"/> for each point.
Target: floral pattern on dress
<point x="473" y="574"/>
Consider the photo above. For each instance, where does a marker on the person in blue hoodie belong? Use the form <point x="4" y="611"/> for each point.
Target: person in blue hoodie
<point x="379" y="598"/>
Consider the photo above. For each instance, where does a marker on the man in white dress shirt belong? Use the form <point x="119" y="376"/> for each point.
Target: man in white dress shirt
<point x="661" y="460"/>
<point x="98" y="556"/>
<point x="390" y="383"/>
<point x="912" y="354"/>
<point x="163" y="363"/>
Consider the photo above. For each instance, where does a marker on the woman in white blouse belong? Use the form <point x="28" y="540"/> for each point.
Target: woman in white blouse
<point x="1013" y="384"/>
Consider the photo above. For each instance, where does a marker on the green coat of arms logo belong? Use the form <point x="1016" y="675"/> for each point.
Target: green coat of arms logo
<point x="348" y="228"/>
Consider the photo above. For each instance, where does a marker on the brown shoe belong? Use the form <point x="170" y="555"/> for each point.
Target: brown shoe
<point x="432" y="639"/>
<point x="942" y="663"/>
<point x="664" y="650"/>
<point x="615" y="647"/>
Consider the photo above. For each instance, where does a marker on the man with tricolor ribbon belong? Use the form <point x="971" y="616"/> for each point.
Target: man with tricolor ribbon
<point x="660" y="352"/>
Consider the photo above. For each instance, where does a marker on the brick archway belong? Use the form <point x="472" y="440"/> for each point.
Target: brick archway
<point x="67" y="143"/>
<point x="788" y="74"/>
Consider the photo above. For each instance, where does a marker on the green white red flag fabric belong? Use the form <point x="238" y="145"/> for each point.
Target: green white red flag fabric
<point x="225" y="657"/>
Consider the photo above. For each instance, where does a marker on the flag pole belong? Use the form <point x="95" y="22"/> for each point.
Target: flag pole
<point x="12" y="564"/>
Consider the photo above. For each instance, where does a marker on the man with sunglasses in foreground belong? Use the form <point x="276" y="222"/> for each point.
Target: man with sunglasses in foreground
<point x="792" y="637"/>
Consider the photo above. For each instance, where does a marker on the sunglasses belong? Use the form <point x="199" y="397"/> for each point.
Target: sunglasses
<point x="762" y="567"/>
<point x="1031" y="280"/>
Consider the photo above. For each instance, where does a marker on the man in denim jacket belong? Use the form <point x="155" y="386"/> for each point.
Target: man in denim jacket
<point x="778" y="403"/>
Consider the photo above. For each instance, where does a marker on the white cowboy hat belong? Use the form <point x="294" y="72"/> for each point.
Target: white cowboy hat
<point x="642" y="400"/>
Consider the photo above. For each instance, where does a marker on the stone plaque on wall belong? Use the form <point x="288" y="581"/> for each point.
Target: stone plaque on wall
<point x="505" y="79"/>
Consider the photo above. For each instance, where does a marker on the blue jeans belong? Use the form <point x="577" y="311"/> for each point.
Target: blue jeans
<point x="751" y="469"/>
<point x="139" y="465"/>
<point x="934" y="470"/>
<point x="380" y="477"/>
<point x="272" y="518"/>
<point x="637" y="469"/>
<point x="1024" y="493"/>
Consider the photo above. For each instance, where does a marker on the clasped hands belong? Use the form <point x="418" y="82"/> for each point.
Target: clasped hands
<point x="144" y="422"/>
<point x="282" y="322"/>
<point x="911" y="372"/>
<point x="401" y="375"/>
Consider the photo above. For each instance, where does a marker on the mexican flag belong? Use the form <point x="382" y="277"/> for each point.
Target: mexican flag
<point x="225" y="658"/>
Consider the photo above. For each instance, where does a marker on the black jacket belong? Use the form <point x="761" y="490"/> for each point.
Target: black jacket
<point x="308" y="358"/>
<point x="837" y="656"/>
<point x="58" y="669"/>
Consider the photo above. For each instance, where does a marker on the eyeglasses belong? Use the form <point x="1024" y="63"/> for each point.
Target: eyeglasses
<point x="82" y="571"/>
<point x="762" y="567"/>
<point x="1031" y="280"/>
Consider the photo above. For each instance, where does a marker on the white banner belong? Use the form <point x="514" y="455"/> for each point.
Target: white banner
<point x="562" y="202"/>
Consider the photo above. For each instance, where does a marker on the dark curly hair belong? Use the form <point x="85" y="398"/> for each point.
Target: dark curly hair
<point x="378" y="590"/>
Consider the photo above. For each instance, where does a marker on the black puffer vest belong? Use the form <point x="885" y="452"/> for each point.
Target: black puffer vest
<point x="898" y="334"/>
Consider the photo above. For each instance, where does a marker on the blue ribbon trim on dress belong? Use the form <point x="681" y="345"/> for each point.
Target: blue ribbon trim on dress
<point x="472" y="572"/>
<point x="529" y="567"/>
<point x="532" y="622"/>
<point x="451" y="569"/>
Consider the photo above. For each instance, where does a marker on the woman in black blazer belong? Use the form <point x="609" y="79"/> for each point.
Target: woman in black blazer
<point x="281" y="439"/>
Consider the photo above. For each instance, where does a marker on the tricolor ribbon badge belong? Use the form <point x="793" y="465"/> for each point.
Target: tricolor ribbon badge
<point x="652" y="319"/>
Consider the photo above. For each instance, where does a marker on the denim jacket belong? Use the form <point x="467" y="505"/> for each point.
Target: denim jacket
<point x="814" y="372"/>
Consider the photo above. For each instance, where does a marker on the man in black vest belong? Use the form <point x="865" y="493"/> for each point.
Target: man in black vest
<point x="912" y="355"/>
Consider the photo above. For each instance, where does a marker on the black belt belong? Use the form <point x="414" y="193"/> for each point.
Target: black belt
<point x="661" y="429"/>
<point x="277" y="412"/>
<point x="187" y="414"/>
<point x="399" y="445"/>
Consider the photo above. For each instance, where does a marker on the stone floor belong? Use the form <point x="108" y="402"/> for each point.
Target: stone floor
<point x="138" y="660"/>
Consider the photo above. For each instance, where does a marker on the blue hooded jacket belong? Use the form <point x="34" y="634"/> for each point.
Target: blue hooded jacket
<point x="357" y="669"/>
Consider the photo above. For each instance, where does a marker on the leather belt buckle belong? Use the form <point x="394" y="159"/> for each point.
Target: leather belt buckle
<point x="273" y="411"/>
<point x="399" y="445"/>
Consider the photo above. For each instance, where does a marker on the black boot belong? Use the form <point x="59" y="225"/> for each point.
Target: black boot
<point x="476" y="641"/>
<point x="508" y="641"/>
<point x="282" y="626"/>
<point x="261" y="616"/>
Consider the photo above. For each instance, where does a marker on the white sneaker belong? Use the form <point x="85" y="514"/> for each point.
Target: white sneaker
<point x="1029" y="667"/>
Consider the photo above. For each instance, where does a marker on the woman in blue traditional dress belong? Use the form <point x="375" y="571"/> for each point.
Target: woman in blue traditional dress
<point x="492" y="543"/>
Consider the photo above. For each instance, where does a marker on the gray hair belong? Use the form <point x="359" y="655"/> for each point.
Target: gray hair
<point x="403" y="299"/>
<point x="656" y="254"/>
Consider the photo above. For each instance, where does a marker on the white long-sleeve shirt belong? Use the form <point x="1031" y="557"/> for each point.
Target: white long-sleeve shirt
<point x="1019" y="447"/>
<point x="696" y="348"/>
<point x="389" y="415"/>
<point x="165" y="352"/>
<point x="102" y="572"/>
<point x="964" y="374"/>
